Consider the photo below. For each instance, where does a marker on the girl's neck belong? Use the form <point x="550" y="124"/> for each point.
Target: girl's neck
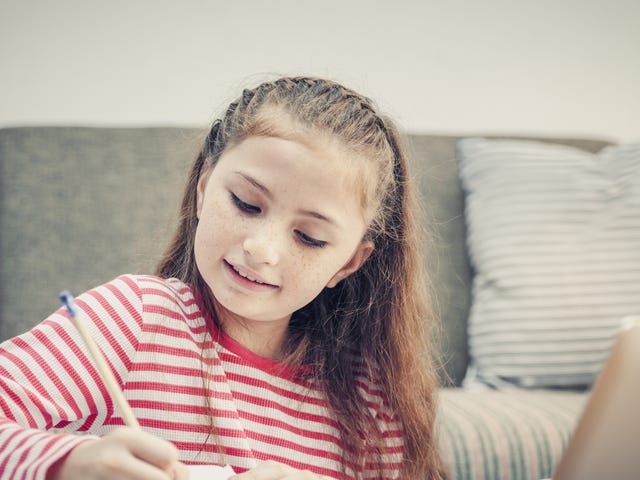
<point x="264" y="338"/>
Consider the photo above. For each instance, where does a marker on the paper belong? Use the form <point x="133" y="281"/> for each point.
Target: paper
<point x="210" y="472"/>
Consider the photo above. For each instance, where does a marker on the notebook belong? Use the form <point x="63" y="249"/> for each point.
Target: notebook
<point x="606" y="442"/>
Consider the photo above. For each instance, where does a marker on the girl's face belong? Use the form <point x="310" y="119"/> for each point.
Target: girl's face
<point x="276" y="226"/>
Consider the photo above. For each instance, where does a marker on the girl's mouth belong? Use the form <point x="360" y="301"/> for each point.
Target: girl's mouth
<point x="246" y="279"/>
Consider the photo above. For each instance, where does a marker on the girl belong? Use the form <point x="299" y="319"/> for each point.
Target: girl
<point x="284" y="332"/>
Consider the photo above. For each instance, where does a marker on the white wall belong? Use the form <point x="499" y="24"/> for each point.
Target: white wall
<point x="558" y="67"/>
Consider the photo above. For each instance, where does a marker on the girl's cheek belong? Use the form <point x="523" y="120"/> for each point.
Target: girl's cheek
<point x="223" y="215"/>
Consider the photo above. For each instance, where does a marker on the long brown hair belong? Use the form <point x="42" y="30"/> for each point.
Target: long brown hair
<point x="380" y="315"/>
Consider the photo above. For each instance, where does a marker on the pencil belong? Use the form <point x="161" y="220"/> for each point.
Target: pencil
<point x="105" y="372"/>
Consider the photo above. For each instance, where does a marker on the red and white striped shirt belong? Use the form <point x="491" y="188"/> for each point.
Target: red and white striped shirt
<point x="177" y="372"/>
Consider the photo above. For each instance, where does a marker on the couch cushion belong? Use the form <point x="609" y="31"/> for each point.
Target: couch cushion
<point x="514" y="435"/>
<point x="433" y="162"/>
<point x="553" y="234"/>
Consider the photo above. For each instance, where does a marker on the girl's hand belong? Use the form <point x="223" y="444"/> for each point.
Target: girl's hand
<point x="126" y="453"/>
<point x="271" y="470"/>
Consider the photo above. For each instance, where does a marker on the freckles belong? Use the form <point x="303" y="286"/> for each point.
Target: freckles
<point x="224" y="218"/>
<point x="314" y="271"/>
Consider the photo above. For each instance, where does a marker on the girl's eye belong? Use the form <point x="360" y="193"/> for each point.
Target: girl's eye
<point x="244" y="206"/>
<point x="307" y="240"/>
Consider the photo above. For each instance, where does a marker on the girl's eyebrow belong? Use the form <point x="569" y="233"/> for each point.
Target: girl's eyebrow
<point x="256" y="184"/>
<point x="269" y="195"/>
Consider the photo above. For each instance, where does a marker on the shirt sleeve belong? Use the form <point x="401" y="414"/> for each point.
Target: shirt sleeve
<point x="50" y="391"/>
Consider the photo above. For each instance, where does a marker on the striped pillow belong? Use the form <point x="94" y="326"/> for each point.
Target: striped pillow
<point x="554" y="238"/>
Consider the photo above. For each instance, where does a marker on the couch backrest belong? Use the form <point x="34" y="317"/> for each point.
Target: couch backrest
<point x="80" y="206"/>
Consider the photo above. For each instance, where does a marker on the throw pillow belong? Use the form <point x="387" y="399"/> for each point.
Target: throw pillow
<point x="554" y="238"/>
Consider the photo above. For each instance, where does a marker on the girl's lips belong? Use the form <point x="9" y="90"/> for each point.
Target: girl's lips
<point x="247" y="279"/>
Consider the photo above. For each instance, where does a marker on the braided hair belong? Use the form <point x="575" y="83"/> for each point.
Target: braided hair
<point x="376" y="317"/>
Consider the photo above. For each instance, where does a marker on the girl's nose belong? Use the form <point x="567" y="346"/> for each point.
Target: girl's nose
<point x="262" y="246"/>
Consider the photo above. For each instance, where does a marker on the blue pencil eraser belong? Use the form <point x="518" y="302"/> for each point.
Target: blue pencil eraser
<point x="67" y="300"/>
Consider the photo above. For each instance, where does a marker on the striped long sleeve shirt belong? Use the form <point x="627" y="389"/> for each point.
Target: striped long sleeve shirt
<point x="185" y="380"/>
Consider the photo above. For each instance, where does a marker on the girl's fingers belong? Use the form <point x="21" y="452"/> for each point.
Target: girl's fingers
<point x="118" y="455"/>
<point x="135" y="469"/>
<point x="148" y="448"/>
<point x="179" y="471"/>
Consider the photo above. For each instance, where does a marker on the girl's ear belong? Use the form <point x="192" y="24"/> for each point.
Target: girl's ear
<point x="202" y="185"/>
<point x="357" y="260"/>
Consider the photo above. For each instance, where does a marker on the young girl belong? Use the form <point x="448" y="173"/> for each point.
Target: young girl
<point x="284" y="332"/>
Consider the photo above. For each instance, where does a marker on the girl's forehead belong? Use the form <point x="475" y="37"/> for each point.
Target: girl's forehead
<point x="310" y="164"/>
<point x="356" y="166"/>
<point x="293" y="156"/>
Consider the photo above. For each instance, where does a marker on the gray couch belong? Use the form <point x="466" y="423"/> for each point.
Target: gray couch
<point x="83" y="205"/>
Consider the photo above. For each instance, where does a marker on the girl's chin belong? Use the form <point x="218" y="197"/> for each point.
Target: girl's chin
<point x="230" y="308"/>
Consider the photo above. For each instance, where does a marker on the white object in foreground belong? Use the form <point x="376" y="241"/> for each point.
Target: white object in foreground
<point x="210" y="472"/>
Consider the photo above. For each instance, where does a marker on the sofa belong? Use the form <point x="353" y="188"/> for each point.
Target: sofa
<point x="82" y="205"/>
